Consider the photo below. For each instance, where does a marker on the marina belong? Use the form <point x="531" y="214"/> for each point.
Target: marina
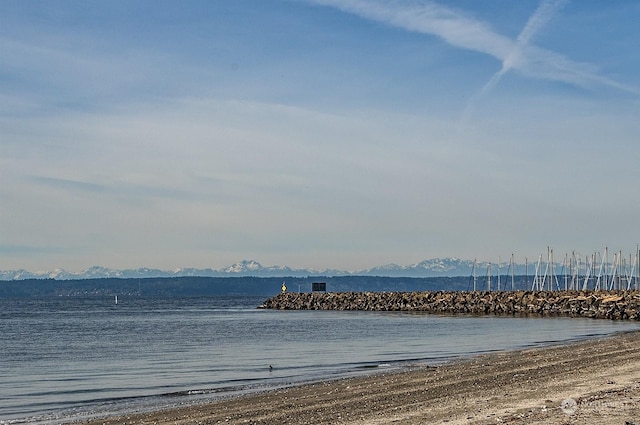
<point x="575" y="272"/>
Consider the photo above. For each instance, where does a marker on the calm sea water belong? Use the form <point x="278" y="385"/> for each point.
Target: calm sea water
<point x="64" y="359"/>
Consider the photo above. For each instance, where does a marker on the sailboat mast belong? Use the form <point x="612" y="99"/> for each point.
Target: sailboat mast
<point x="499" y="259"/>
<point x="475" y="275"/>
<point x="526" y="272"/>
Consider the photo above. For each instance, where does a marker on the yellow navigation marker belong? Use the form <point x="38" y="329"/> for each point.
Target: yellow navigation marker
<point x="284" y="287"/>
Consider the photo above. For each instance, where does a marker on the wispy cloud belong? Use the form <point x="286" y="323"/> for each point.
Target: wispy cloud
<point x="467" y="32"/>
<point x="16" y="250"/>
<point x="451" y="25"/>
<point x="69" y="184"/>
<point x="117" y="189"/>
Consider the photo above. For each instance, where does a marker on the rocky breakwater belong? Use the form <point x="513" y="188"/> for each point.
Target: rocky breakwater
<point x="615" y="305"/>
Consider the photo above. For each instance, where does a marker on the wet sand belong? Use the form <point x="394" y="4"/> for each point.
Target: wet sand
<point x="592" y="382"/>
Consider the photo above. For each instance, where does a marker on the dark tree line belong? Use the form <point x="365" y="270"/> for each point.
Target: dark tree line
<point x="212" y="286"/>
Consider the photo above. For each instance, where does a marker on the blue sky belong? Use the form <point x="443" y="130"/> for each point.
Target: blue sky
<point x="321" y="133"/>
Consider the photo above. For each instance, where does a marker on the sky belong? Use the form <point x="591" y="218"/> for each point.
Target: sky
<point x="317" y="134"/>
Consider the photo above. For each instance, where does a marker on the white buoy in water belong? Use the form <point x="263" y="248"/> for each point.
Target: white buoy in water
<point x="116" y="300"/>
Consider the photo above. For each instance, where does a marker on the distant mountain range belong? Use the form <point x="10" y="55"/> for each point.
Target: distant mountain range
<point x="437" y="267"/>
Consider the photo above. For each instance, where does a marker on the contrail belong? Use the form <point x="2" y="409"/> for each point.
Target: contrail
<point x="546" y="10"/>
<point x="463" y="31"/>
<point x="543" y="14"/>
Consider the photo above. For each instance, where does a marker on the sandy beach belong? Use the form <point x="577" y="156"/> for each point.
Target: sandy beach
<point x="588" y="382"/>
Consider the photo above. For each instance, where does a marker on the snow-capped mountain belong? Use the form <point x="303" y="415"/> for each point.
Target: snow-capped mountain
<point x="427" y="268"/>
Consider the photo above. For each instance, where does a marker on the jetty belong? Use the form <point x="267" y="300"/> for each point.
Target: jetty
<point x="613" y="305"/>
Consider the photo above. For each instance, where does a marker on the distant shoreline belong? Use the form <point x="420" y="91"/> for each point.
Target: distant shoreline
<point x="214" y="286"/>
<point x="199" y="286"/>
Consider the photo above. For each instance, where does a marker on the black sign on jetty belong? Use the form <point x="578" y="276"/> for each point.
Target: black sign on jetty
<point x="319" y="287"/>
